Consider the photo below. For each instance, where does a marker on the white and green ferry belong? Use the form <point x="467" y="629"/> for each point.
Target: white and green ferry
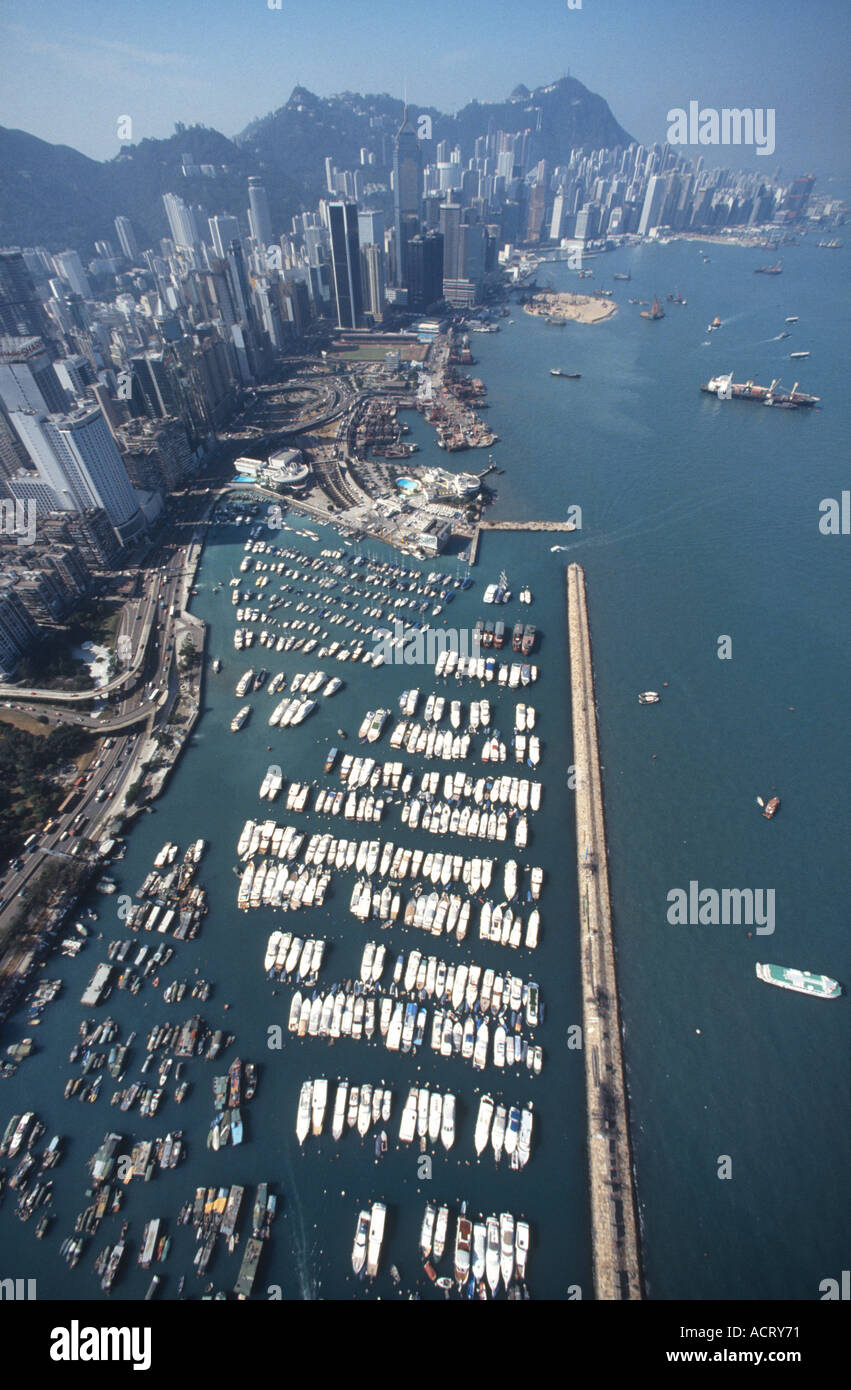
<point x="801" y="981"/>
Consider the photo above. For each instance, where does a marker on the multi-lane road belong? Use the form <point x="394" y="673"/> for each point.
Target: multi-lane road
<point x="149" y="622"/>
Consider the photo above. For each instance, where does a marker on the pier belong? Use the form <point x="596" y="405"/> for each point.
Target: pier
<point x="614" y="1225"/>
<point x="515" y="526"/>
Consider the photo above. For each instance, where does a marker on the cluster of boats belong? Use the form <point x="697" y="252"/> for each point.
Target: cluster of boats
<point x="271" y="885"/>
<point x="355" y="1107"/>
<point x="288" y="955"/>
<point x="485" y="1252"/>
<point x="347" y="1011"/>
<point x="508" y="1130"/>
<point x="428" y="1115"/>
<point x="28" y="1180"/>
<point x="291" y="712"/>
<point x="481" y="668"/>
<point x="369" y="1235"/>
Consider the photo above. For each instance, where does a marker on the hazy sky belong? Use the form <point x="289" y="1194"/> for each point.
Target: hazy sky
<point x="71" y="70"/>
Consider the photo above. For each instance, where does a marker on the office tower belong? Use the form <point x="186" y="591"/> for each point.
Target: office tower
<point x="373" y="280"/>
<point x="330" y="175"/>
<point x="345" y="263"/>
<point x="471" y="252"/>
<point x="371" y="229"/>
<point x="127" y="238"/>
<point x="238" y="280"/>
<point x="223" y="230"/>
<point x="12" y="453"/>
<point x="181" y="221"/>
<point x="27" y="378"/>
<point x="259" y="216"/>
<point x="17" y="629"/>
<point x="407" y="184"/>
<point x="75" y="455"/>
<point x="21" y="312"/>
<point x="536" y="210"/>
<point x="587" y="222"/>
<point x="557" y="221"/>
<point x="798" y="196"/>
<point x="89" y="531"/>
<point x="450" y="224"/>
<point x="425" y="270"/>
<point x="654" y="201"/>
<point x="154" y="385"/>
<point x="374" y="267"/>
<point x="75" y="376"/>
<point x="70" y="267"/>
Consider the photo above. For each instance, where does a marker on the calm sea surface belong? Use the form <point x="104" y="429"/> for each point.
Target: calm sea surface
<point x="699" y="521"/>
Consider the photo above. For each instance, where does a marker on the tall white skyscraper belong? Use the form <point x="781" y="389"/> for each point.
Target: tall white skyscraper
<point x="181" y="221"/>
<point x="654" y="201"/>
<point x="127" y="238"/>
<point x="76" y="456"/>
<point x="70" y="267"/>
<point x="259" y="215"/>
<point x="223" y="231"/>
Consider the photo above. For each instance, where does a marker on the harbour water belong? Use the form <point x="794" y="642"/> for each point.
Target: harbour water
<point x="699" y="520"/>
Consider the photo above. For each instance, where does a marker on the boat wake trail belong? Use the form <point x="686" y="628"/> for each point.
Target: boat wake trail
<point x="661" y="520"/>
<point x="301" y="1253"/>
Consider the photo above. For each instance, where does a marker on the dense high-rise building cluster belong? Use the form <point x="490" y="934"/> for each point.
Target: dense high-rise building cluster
<point x="116" y="373"/>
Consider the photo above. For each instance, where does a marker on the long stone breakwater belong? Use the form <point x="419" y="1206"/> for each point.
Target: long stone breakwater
<point x="514" y="526"/>
<point x="614" y="1225"/>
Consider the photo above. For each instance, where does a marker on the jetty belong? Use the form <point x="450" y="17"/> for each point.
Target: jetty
<point x="614" y="1224"/>
<point x="514" y="526"/>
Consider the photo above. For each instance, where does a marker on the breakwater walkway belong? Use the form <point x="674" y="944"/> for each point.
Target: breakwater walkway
<point x="614" y="1226"/>
<point x="514" y="526"/>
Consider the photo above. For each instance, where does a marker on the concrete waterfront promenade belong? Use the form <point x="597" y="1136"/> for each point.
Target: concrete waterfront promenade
<point x="614" y="1226"/>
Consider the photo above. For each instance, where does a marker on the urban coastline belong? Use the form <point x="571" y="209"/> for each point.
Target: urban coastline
<point x="168" y="407"/>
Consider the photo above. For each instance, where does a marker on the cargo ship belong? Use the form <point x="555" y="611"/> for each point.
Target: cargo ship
<point x="655" y="312"/>
<point x="517" y="637"/>
<point x="801" y="981"/>
<point x="528" y="640"/>
<point x="725" y="388"/>
<point x="775" y="269"/>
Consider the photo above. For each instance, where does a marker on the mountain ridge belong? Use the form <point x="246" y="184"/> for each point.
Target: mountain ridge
<point x="53" y="195"/>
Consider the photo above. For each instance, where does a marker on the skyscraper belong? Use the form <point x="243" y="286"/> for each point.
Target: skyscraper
<point x="259" y="216"/>
<point x="223" y="230"/>
<point x="27" y="377"/>
<point x="76" y="456"/>
<point x="21" y="312"/>
<point x="127" y="238"/>
<point x="654" y="201"/>
<point x="374" y="281"/>
<point x="181" y="221"/>
<point x="70" y="267"/>
<point x="425" y="270"/>
<point x="450" y="224"/>
<point x="345" y="263"/>
<point x="407" y="187"/>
